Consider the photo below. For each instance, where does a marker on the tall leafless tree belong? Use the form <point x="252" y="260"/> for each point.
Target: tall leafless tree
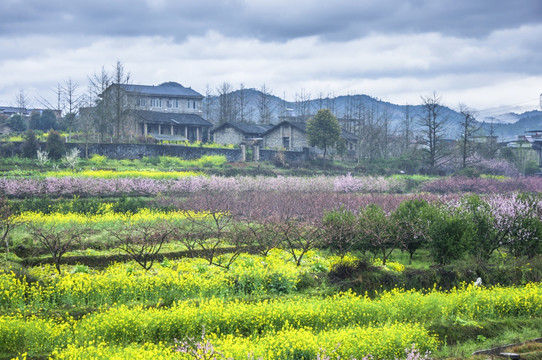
<point x="227" y="109"/>
<point x="264" y="105"/>
<point x="72" y="102"/>
<point x="372" y="129"/>
<point x="209" y="105"/>
<point x="433" y="125"/>
<point x="302" y="104"/>
<point x="98" y="83"/>
<point x="469" y="128"/>
<point x="407" y="130"/>
<point x="22" y="101"/>
<point x="120" y="100"/>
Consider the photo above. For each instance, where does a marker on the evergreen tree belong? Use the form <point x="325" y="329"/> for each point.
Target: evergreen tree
<point x="323" y="130"/>
<point x="55" y="145"/>
<point x="30" y="144"/>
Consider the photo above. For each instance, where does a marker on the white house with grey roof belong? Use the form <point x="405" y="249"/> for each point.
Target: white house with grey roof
<point x="168" y="111"/>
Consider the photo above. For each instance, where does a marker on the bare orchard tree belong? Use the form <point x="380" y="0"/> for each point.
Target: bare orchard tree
<point x="142" y="241"/>
<point x="8" y="222"/>
<point x="210" y="217"/>
<point x="253" y="219"/>
<point x="469" y="127"/>
<point x="297" y="224"/>
<point x="55" y="238"/>
<point x="433" y="125"/>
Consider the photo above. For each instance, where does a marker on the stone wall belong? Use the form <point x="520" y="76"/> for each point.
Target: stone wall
<point x="289" y="156"/>
<point x="228" y="135"/>
<point x="137" y="151"/>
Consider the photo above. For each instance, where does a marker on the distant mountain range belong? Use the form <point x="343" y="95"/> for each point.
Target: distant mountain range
<point x="505" y="126"/>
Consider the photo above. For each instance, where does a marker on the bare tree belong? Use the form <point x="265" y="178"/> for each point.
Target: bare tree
<point x="211" y="218"/>
<point x="120" y="100"/>
<point x="22" y="101"/>
<point x="244" y="111"/>
<point x="58" y="95"/>
<point x="372" y="129"/>
<point x="264" y="105"/>
<point x="325" y="102"/>
<point x="433" y="124"/>
<point x="98" y="83"/>
<point x="142" y="241"/>
<point x="302" y="104"/>
<point x="56" y="238"/>
<point x="72" y="101"/>
<point x="227" y="109"/>
<point x="8" y="222"/>
<point x="209" y="105"/>
<point x="320" y="102"/>
<point x="407" y="130"/>
<point x="469" y="128"/>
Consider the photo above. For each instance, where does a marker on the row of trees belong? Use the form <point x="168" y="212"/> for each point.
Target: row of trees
<point x="219" y="226"/>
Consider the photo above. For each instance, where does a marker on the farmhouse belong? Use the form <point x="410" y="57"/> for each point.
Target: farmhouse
<point x="287" y="135"/>
<point x="237" y="133"/>
<point x="291" y="135"/>
<point x="165" y="111"/>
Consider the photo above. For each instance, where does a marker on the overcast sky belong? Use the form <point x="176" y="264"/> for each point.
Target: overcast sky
<point x="486" y="54"/>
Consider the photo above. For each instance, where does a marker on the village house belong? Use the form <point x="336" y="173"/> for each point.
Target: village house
<point x="287" y="135"/>
<point x="168" y="111"/>
<point x="292" y="136"/>
<point x="237" y="133"/>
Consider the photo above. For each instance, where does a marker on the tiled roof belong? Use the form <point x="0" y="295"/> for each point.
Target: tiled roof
<point x="303" y="127"/>
<point x="248" y="129"/>
<point x="347" y="135"/>
<point x="172" y="89"/>
<point x="171" y="118"/>
<point x="298" y="125"/>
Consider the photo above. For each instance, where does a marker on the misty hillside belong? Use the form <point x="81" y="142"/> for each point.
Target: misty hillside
<point x="248" y="105"/>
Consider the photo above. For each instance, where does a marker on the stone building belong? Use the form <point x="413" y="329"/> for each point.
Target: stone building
<point x="287" y="135"/>
<point x="165" y="111"/>
<point x="237" y="133"/>
<point x="291" y="135"/>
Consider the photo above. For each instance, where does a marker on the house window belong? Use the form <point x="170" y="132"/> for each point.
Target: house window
<point x="141" y="102"/>
<point x="286" y="142"/>
<point x="169" y="103"/>
<point x="176" y="104"/>
<point x="194" y="104"/>
<point x="188" y="104"/>
<point x="156" y="102"/>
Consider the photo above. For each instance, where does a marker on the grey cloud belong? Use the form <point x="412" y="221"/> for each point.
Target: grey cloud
<point x="270" y="21"/>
